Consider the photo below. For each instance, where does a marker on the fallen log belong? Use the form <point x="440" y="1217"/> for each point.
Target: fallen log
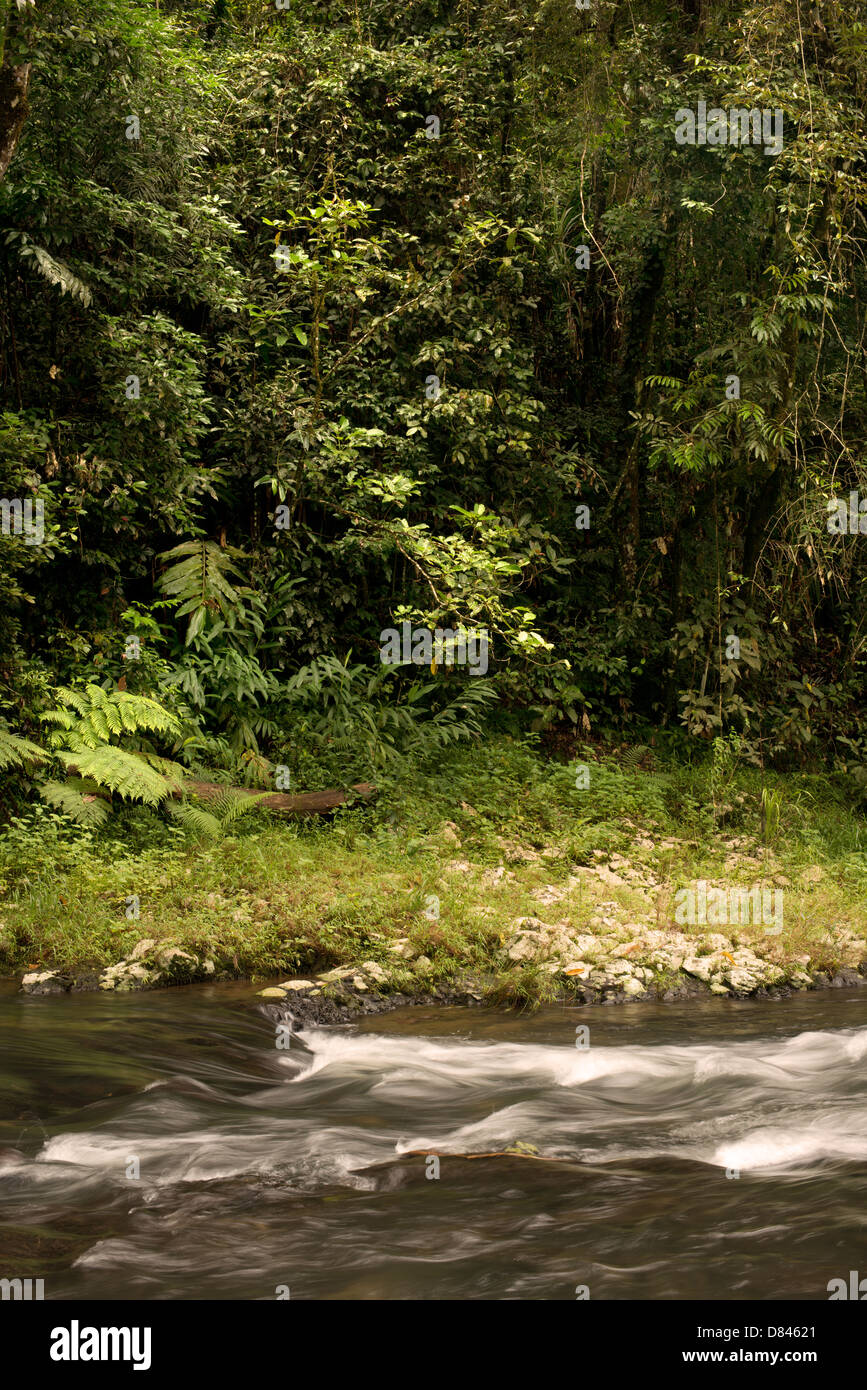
<point x="305" y="804"/>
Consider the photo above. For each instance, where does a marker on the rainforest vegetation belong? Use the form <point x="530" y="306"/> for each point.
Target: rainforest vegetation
<point x="323" y="317"/>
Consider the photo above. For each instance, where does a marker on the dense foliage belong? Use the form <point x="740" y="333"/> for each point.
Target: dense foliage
<point x="297" y="342"/>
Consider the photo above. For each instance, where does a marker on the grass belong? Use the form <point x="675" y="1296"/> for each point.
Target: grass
<point x="497" y="834"/>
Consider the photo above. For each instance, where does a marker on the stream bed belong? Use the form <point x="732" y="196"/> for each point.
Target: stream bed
<point x="163" y="1146"/>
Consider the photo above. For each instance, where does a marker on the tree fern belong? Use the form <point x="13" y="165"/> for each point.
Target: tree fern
<point x="226" y="809"/>
<point x="103" y="714"/>
<point x="85" y="721"/>
<point x="16" y="751"/>
<point x="120" y="771"/>
<point x="359" y="710"/>
<point x="78" y="799"/>
<point x="231" y="806"/>
<point x="201" y="823"/>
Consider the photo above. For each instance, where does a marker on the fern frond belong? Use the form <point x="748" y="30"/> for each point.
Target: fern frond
<point x="633" y="756"/>
<point x="15" y="751"/>
<point x="166" y="767"/>
<point x="230" y="805"/>
<point x="86" y="808"/>
<point x="99" y="724"/>
<point x="120" y="771"/>
<point x="194" y="818"/>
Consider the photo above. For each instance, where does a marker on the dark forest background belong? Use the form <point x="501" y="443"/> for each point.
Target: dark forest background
<point x="217" y="349"/>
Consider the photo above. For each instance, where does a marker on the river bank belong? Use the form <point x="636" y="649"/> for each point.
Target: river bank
<point x="498" y="881"/>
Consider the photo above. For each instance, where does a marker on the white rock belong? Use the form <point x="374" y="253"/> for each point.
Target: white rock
<point x="619" y="968"/>
<point x="744" y="981"/>
<point x="632" y="987"/>
<point x="37" y="977"/>
<point x="800" y="977"/>
<point x="702" y="967"/>
<point x="403" y="948"/>
<point x="170" y="953"/>
<point x="141" y="948"/>
<point x="375" y="971"/>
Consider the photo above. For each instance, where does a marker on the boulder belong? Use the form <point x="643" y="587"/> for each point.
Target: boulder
<point x="375" y="972"/>
<point x="43" y="982"/>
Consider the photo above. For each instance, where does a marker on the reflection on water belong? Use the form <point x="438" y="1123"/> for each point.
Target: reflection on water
<point x="162" y="1146"/>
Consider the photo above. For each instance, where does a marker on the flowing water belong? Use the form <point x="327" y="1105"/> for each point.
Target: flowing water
<point x="264" y="1169"/>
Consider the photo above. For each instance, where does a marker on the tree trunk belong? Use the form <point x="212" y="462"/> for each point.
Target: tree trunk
<point x="305" y="804"/>
<point x="14" y="85"/>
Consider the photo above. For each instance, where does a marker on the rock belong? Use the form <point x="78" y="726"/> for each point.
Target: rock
<point x="801" y="979"/>
<point x="142" y="948"/>
<point x="128" y="975"/>
<point x="525" y="948"/>
<point x="423" y="964"/>
<point x="549" y="895"/>
<point x="273" y="992"/>
<point x="516" y="853"/>
<point x="743" y="981"/>
<point x="359" y="983"/>
<point x="169" y="954"/>
<point x="449" y="833"/>
<point x="208" y="966"/>
<point x="376" y="972"/>
<point x="43" y="982"/>
<point x="702" y="967"/>
<point x="717" y="942"/>
<point x="403" y="948"/>
<point x="611" y="880"/>
<point x="492" y="877"/>
<point x="619" y="969"/>
<point x="632" y="987"/>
